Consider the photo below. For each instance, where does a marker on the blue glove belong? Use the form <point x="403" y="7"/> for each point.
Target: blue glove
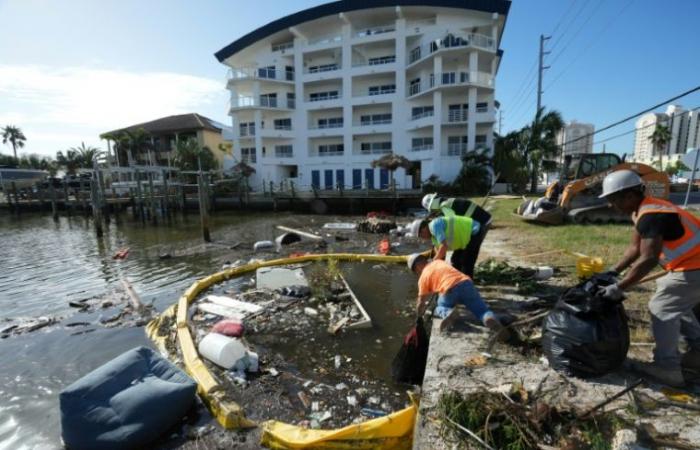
<point x="611" y="292"/>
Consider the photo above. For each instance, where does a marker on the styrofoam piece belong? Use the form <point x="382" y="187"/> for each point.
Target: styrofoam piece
<point x="223" y="311"/>
<point x="263" y="245"/>
<point x="233" y="303"/>
<point x="278" y="277"/>
<point x="222" y="350"/>
<point x="340" y="226"/>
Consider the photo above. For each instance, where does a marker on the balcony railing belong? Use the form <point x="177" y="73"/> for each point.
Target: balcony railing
<point x="381" y="92"/>
<point x="262" y="102"/>
<point x="247" y="132"/>
<point x="365" y="123"/>
<point x="248" y="159"/>
<point x="420" y="148"/>
<point x="457" y="116"/>
<point x="327" y="39"/>
<point x="284" y="153"/>
<point x="323" y="68"/>
<point x="422" y="115"/>
<point x="325" y="126"/>
<point x="334" y="153"/>
<point x="375" y="30"/>
<point x="482" y="109"/>
<point x="324" y="98"/>
<point x="283" y="127"/>
<point x="282" y="47"/>
<point x="376" y="61"/>
<point x="261" y="74"/>
<point x="456" y="149"/>
<point x="451" y="79"/>
<point x="374" y="151"/>
<point x="451" y="41"/>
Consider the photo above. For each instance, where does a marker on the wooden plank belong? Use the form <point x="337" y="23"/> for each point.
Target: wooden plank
<point x="366" y="321"/>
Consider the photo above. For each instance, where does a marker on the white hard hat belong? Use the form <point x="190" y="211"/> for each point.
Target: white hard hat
<point x="414" y="228"/>
<point x="411" y="260"/>
<point x="619" y="181"/>
<point x="428" y="201"/>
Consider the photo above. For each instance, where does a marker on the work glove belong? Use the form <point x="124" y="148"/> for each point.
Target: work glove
<point x="611" y="292"/>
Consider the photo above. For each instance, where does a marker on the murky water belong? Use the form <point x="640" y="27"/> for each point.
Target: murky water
<point x="44" y="265"/>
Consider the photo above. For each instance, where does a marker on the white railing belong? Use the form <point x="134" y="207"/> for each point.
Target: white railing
<point x="263" y="102"/>
<point x="451" y="41"/>
<point x="420" y="148"/>
<point x="422" y="115"/>
<point x="375" y="30"/>
<point x="380" y="92"/>
<point x="376" y="61"/>
<point x="322" y="99"/>
<point x="374" y="151"/>
<point x="261" y="74"/>
<point x="323" y="68"/>
<point x="243" y="132"/>
<point x="460" y="115"/>
<point x="327" y="39"/>
<point x="456" y="149"/>
<point x="482" y="109"/>
<point x="282" y="47"/>
<point x="248" y="159"/>
<point x="365" y="123"/>
<point x="284" y="153"/>
<point x="451" y="79"/>
<point x="325" y="126"/>
<point x="283" y="127"/>
<point x="334" y="153"/>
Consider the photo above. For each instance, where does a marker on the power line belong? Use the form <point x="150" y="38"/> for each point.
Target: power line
<point x="578" y="31"/>
<point x="591" y="43"/>
<point x="633" y="116"/>
<point x="561" y="20"/>
<point x="568" y="27"/>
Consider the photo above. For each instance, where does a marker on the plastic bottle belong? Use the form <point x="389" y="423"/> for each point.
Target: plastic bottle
<point x="221" y="350"/>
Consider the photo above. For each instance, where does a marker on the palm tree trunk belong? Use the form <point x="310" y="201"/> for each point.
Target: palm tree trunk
<point x="14" y="149"/>
<point x="533" y="181"/>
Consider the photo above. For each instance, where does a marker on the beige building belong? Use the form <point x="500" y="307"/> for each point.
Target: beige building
<point x="166" y="132"/>
<point x="576" y="137"/>
<point x="685" y="134"/>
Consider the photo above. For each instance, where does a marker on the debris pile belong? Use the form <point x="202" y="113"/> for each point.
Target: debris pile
<point x="492" y="272"/>
<point x="376" y="225"/>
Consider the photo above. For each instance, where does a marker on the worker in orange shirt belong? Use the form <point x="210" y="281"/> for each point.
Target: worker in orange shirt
<point x="453" y="287"/>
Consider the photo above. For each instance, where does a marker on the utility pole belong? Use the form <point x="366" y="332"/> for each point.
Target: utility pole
<point x="500" y="121"/>
<point x="541" y="70"/>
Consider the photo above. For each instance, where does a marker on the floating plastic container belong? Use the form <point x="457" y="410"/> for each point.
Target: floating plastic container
<point x="221" y="350"/>
<point x="586" y="266"/>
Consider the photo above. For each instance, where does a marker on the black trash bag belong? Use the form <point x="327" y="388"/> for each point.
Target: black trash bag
<point x="586" y="335"/>
<point x="409" y="363"/>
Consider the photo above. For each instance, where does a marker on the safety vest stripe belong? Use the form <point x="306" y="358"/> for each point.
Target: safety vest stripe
<point x="470" y="210"/>
<point x="656" y="207"/>
<point x="671" y="254"/>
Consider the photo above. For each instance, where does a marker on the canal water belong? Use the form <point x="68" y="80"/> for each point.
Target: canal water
<point x="45" y="265"/>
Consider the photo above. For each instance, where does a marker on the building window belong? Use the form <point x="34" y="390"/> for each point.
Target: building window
<point x="330" y="149"/>
<point x="375" y="119"/>
<point x="480" y="140"/>
<point x="457" y="113"/>
<point x="283" y="151"/>
<point x="283" y="124"/>
<point x="384" y="89"/>
<point x="268" y="100"/>
<point x="323" y="68"/>
<point x="448" y="78"/>
<point x="320" y="96"/>
<point x="381" y="60"/>
<point x="482" y="107"/>
<point x="421" y="111"/>
<point x="368" y="148"/>
<point x="332" y="122"/>
<point x="421" y="143"/>
<point x="291" y="100"/>
<point x="248" y="155"/>
<point x="247" y="129"/>
<point x="456" y="145"/>
<point x="267" y="72"/>
<point x="414" y="86"/>
<point x="414" y="55"/>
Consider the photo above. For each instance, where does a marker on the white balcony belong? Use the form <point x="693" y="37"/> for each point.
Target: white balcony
<point x="262" y="102"/>
<point x="457" y="116"/>
<point x="456" y="149"/>
<point x="422" y="148"/>
<point x="262" y="74"/>
<point x="283" y="47"/>
<point x="325" y="102"/>
<point x="329" y="41"/>
<point x="374" y="151"/>
<point x="277" y="133"/>
<point x="451" y="42"/>
<point x="451" y="79"/>
<point x="284" y="153"/>
<point x="374" y="31"/>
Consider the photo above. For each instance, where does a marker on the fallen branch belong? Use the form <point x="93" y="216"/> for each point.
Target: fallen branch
<point x="133" y="296"/>
<point x="611" y="399"/>
<point x="469" y="433"/>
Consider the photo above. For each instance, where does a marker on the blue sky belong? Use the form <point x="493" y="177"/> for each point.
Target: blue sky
<point x="70" y="70"/>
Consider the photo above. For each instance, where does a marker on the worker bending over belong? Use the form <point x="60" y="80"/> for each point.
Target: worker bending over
<point x="666" y="234"/>
<point x="464" y="207"/>
<point x="452" y="233"/>
<point x="438" y="277"/>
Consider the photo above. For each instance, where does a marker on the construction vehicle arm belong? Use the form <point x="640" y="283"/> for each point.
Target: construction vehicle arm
<point x="657" y="182"/>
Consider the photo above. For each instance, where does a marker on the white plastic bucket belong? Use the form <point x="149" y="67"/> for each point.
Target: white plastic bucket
<point x="221" y="350"/>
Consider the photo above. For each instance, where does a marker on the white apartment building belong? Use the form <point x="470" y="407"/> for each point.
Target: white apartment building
<point x="684" y="126"/>
<point x="318" y="95"/>
<point x="576" y="137"/>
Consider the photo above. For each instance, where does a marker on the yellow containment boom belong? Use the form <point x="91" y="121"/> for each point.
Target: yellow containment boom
<point x="383" y="433"/>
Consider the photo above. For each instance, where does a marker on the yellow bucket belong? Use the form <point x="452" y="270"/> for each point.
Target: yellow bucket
<point x="587" y="266"/>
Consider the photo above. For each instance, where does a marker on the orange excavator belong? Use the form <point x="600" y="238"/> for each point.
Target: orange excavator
<point x="574" y="196"/>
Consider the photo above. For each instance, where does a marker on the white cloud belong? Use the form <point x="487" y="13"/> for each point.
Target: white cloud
<point x="59" y="107"/>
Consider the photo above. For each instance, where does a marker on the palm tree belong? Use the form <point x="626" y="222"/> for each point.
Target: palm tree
<point x="391" y="162"/>
<point x="541" y="142"/>
<point x="71" y="161"/>
<point x="189" y="155"/>
<point x="14" y="136"/>
<point x="659" y="139"/>
<point x="473" y="177"/>
<point x="87" y="154"/>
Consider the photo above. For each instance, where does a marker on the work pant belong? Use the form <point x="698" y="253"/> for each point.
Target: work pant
<point x="464" y="293"/>
<point x="672" y="315"/>
<point x="464" y="259"/>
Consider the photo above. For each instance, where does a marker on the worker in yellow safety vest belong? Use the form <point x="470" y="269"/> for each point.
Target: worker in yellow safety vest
<point x="451" y="233"/>
<point x="668" y="235"/>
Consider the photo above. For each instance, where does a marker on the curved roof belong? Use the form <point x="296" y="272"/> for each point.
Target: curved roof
<point x="330" y="9"/>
